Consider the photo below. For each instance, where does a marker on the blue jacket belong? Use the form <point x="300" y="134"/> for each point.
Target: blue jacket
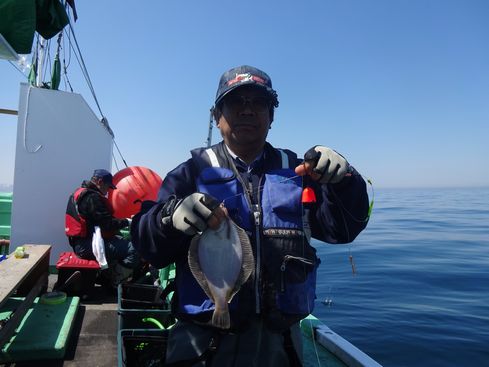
<point x="270" y="191"/>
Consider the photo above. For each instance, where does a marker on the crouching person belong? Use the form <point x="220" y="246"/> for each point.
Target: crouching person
<point x="89" y="207"/>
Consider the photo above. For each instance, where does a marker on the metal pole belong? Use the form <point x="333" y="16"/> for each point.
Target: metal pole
<point x="40" y="61"/>
<point x="8" y="112"/>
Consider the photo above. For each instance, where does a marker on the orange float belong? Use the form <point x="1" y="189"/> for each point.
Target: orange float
<point x="134" y="185"/>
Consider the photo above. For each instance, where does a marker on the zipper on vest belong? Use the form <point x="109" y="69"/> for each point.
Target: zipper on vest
<point x="255" y="209"/>
<point x="257" y="217"/>
<point x="283" y="267"/>
<point x="258" y="225"/>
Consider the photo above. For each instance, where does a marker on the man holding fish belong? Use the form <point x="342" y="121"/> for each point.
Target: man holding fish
<point x="233" y="221"/>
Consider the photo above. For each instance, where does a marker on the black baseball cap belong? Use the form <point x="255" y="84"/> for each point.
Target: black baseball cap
<point x="106" y="177"/>
<point x="245" y="75"/>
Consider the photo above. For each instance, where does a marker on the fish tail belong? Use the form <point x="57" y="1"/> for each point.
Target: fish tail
<point x="221" y="318"/>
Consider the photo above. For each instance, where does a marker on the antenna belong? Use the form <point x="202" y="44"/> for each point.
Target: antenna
<point x="209" y="133"/>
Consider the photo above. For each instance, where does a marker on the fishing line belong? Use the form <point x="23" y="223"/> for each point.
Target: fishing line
<point x="370" y="206"/>
<point x="342" y="211"/>
<point x="66" y="64"/>
<point x="259" y="189"/>
<point x="309" y="311"/>
<point x="367" y="218"/>
<point x="350" y="257"/>
<point x="252" y="193"/>
<point x="340" y="205"/>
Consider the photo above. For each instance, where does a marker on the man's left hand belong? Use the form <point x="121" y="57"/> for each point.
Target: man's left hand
<point x="324" y="165"/>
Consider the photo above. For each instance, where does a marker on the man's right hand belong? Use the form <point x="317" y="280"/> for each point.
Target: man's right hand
<point x="193" y="214"/>
<point x="324" y="165"/>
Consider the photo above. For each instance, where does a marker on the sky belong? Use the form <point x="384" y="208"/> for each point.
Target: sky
<point x="398" y="87"/>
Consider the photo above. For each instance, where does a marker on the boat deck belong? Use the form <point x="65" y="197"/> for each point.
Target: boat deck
<point x="93" y="338"/>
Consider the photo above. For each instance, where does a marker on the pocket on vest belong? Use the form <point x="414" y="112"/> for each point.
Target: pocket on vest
<point x="282" y="200"/>
<point x="291" y="267"/>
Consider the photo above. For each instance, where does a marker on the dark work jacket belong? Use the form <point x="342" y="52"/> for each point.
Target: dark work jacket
<point x="337" y="217"/>
<point x="96" y="211"/>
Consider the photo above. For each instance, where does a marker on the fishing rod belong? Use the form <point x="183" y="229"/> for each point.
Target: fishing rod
<point x="208" y="141"/>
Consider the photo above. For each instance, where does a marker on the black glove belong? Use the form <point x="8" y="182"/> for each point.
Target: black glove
<point x="331" y="165"/>
<point x="189" y="215"/>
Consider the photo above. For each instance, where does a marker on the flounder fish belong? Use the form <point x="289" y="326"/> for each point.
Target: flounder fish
<point x="221" y="261"/>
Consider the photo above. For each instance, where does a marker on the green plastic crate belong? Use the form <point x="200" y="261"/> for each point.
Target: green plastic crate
<point x="167" y="275"/>
<point x="43" y="332"/>
<point x="126" y="234"/>
<point x="141" y="347"/>
<point x="140" y="301"/>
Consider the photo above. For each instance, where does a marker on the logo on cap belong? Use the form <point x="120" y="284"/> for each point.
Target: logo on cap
<point x="246" y="77"/>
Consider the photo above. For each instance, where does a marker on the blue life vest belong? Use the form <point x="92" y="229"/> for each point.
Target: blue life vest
<point x="282" y="288"/>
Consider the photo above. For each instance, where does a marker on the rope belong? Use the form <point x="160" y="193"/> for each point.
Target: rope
<point x="115" y="161"/>
<point x="78" y="55"/>
<point x="47" y="60"/>
<point x="117" y="147"/>
<point x="86" y="75"/>
<point x="65" y="65"/>
<point x="83" y="67"/>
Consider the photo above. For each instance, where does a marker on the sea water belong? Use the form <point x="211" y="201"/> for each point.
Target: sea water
<point x="420" y="293"/>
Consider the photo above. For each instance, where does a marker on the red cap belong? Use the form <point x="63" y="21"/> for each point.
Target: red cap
<point x="308" y="195"/>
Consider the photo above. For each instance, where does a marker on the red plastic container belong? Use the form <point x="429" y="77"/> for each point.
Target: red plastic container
<point x="67" y="264"/>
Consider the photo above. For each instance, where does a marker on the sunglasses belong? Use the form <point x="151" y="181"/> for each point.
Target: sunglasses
<point x="257" y="104"/>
